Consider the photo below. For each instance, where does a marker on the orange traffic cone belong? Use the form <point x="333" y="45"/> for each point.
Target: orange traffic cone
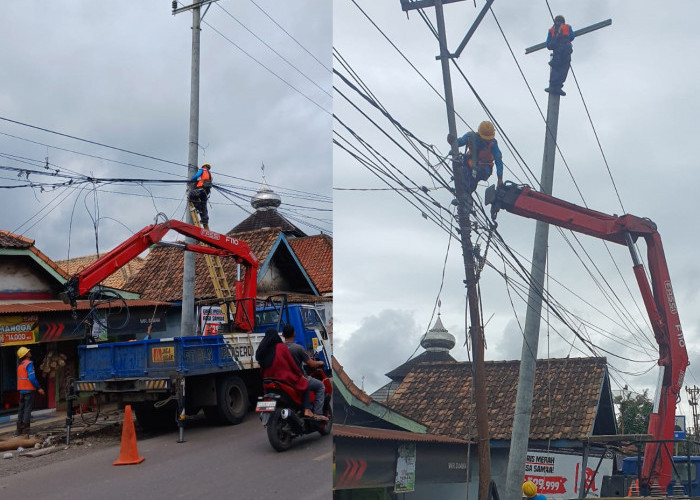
<point x="129" y="454"/>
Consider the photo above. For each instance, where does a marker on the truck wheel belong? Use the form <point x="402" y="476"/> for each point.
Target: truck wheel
<point x="232" y="398"/>
<point x="278" y="432"/>
<point x="327" y="427"/>
<point x="152" y="419"/>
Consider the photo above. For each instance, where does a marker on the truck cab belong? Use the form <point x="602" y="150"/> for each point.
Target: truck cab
<point x="308" y="325"/>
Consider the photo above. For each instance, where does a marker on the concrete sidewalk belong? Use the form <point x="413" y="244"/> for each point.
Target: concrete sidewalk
<point x="40" y="418"/>
<point x="45" y="420"/>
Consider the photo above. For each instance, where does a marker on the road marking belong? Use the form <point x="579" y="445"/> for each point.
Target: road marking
<point x="324" y="456"/>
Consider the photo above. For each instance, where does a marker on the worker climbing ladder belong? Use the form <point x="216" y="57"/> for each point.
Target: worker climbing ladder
<point x="216" y="271"/>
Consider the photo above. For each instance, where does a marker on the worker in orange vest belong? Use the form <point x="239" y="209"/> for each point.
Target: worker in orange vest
<point x="199" y="194"/>
<point x="481" y="154"/>
<point x="27" y="385"/>
<point x="559" y="38"/>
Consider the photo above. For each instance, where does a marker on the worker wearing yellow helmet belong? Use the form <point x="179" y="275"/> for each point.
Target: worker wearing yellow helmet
<point x="482" y="152"/>
<point x="27" y="386"/>
<point x="530" y="491"/>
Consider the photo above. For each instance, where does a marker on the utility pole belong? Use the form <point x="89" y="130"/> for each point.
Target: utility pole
<point x="526" y="380"/>
<point x="464" y="207"/>
<point x="693" y="402"/>
<point x="187" y="318"/>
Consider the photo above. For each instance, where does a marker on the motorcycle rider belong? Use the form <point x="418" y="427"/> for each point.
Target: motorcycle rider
<point x="301" y="356"/>
<point x="277" y="363"/>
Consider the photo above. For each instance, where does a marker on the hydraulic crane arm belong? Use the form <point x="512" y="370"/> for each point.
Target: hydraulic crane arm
<point x="219" y="244"/>
<point x="657" y="296"/>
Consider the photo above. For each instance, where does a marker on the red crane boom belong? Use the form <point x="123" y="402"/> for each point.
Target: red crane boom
<point x="219" y="244"/>
<point x="658" y="299"/>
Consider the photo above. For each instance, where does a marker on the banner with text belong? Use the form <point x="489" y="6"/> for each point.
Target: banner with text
<point x="558" y="475"/>
<point x="16" y="330"/>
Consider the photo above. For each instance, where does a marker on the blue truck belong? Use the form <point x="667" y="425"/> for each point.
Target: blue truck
<point x="166" y="379"/>
<point x="685" y="474"/>
<point x="308" y="323"/>
<point x="685" y="478"/>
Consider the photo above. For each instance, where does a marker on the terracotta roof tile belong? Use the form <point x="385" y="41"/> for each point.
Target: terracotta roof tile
<point x="117" y="280"/>
<point x="316" y="256"/>
<point x="348" y="383"/>
<point x="260" y="241"/>
<point x="160" y="278"/>
<point x="353" y="431"/>
<point x="59" y="305"/>
<point x="566" y="395"/>
<point x="10" y="240"/>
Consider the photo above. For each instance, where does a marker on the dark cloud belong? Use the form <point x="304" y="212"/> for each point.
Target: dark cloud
<point x="121" y="77"/>
<point x="382" y="342"/>
<point x="389" y="257"/>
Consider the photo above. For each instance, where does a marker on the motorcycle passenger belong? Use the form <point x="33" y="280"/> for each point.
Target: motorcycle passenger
<point x="277" y="363"/>
<point x="301" y="356"/>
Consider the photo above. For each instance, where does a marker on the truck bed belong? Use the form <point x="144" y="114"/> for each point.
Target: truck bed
<point x="165" y="358"/>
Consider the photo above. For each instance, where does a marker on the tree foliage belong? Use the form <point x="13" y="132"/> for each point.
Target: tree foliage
<point x="634" y="410"/>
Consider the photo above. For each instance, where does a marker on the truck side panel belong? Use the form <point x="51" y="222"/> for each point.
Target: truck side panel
<point x="163" y="358"/>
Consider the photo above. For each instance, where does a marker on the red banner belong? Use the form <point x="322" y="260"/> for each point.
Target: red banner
<point x="548" y="485"/>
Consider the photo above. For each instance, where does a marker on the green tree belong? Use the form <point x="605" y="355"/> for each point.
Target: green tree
<point x="634" y="410"/>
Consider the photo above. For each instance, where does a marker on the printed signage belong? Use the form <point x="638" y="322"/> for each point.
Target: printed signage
<point x="163" y="354"/>
<point x="558" y="475"/>
<point x="210" y="319"/>
<point x="405" y="468"/>
<point x="15" y="330"/>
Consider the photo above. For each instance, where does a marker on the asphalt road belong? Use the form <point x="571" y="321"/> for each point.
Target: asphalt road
<point x="214" y="462"/>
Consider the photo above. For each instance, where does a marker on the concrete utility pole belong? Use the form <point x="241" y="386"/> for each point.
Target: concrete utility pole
<point x="187" y="318"/>
<point x="528" y="359"/>
<point x="464" y="207"/>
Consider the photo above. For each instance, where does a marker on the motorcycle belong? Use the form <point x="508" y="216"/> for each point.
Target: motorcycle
<point x="282" y="412"/>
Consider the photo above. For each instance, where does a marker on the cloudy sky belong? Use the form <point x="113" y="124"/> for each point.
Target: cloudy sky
<point x="636" y="79"/>
<point x="119" y="76"/>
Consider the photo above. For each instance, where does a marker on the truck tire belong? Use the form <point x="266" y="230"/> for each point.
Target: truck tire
<point x="327" y="427"/>
<point x="232" y="401"/>
<point x="152" y="419"/>
<point x="278" y="432"/>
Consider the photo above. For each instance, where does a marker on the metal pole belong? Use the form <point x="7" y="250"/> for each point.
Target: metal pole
<point x="187" y="318"/>
<point x="464" y="204"/>
<point x="528" y="360"/>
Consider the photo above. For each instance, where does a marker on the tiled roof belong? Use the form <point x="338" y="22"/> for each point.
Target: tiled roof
<point x="401" y="371"/>
<point x="267" y="219"/>
<point x="316" y="256"/>
<point x="353" y="431"/>
<point x="117" y="280"/>
<point x="160" y="278"/>
<point x="260" y="241"/>
<point x="10" y="240"/>
<point x="347" y="382"/>
<point x="566" y="396"/>
<point x="58" y="305"/>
